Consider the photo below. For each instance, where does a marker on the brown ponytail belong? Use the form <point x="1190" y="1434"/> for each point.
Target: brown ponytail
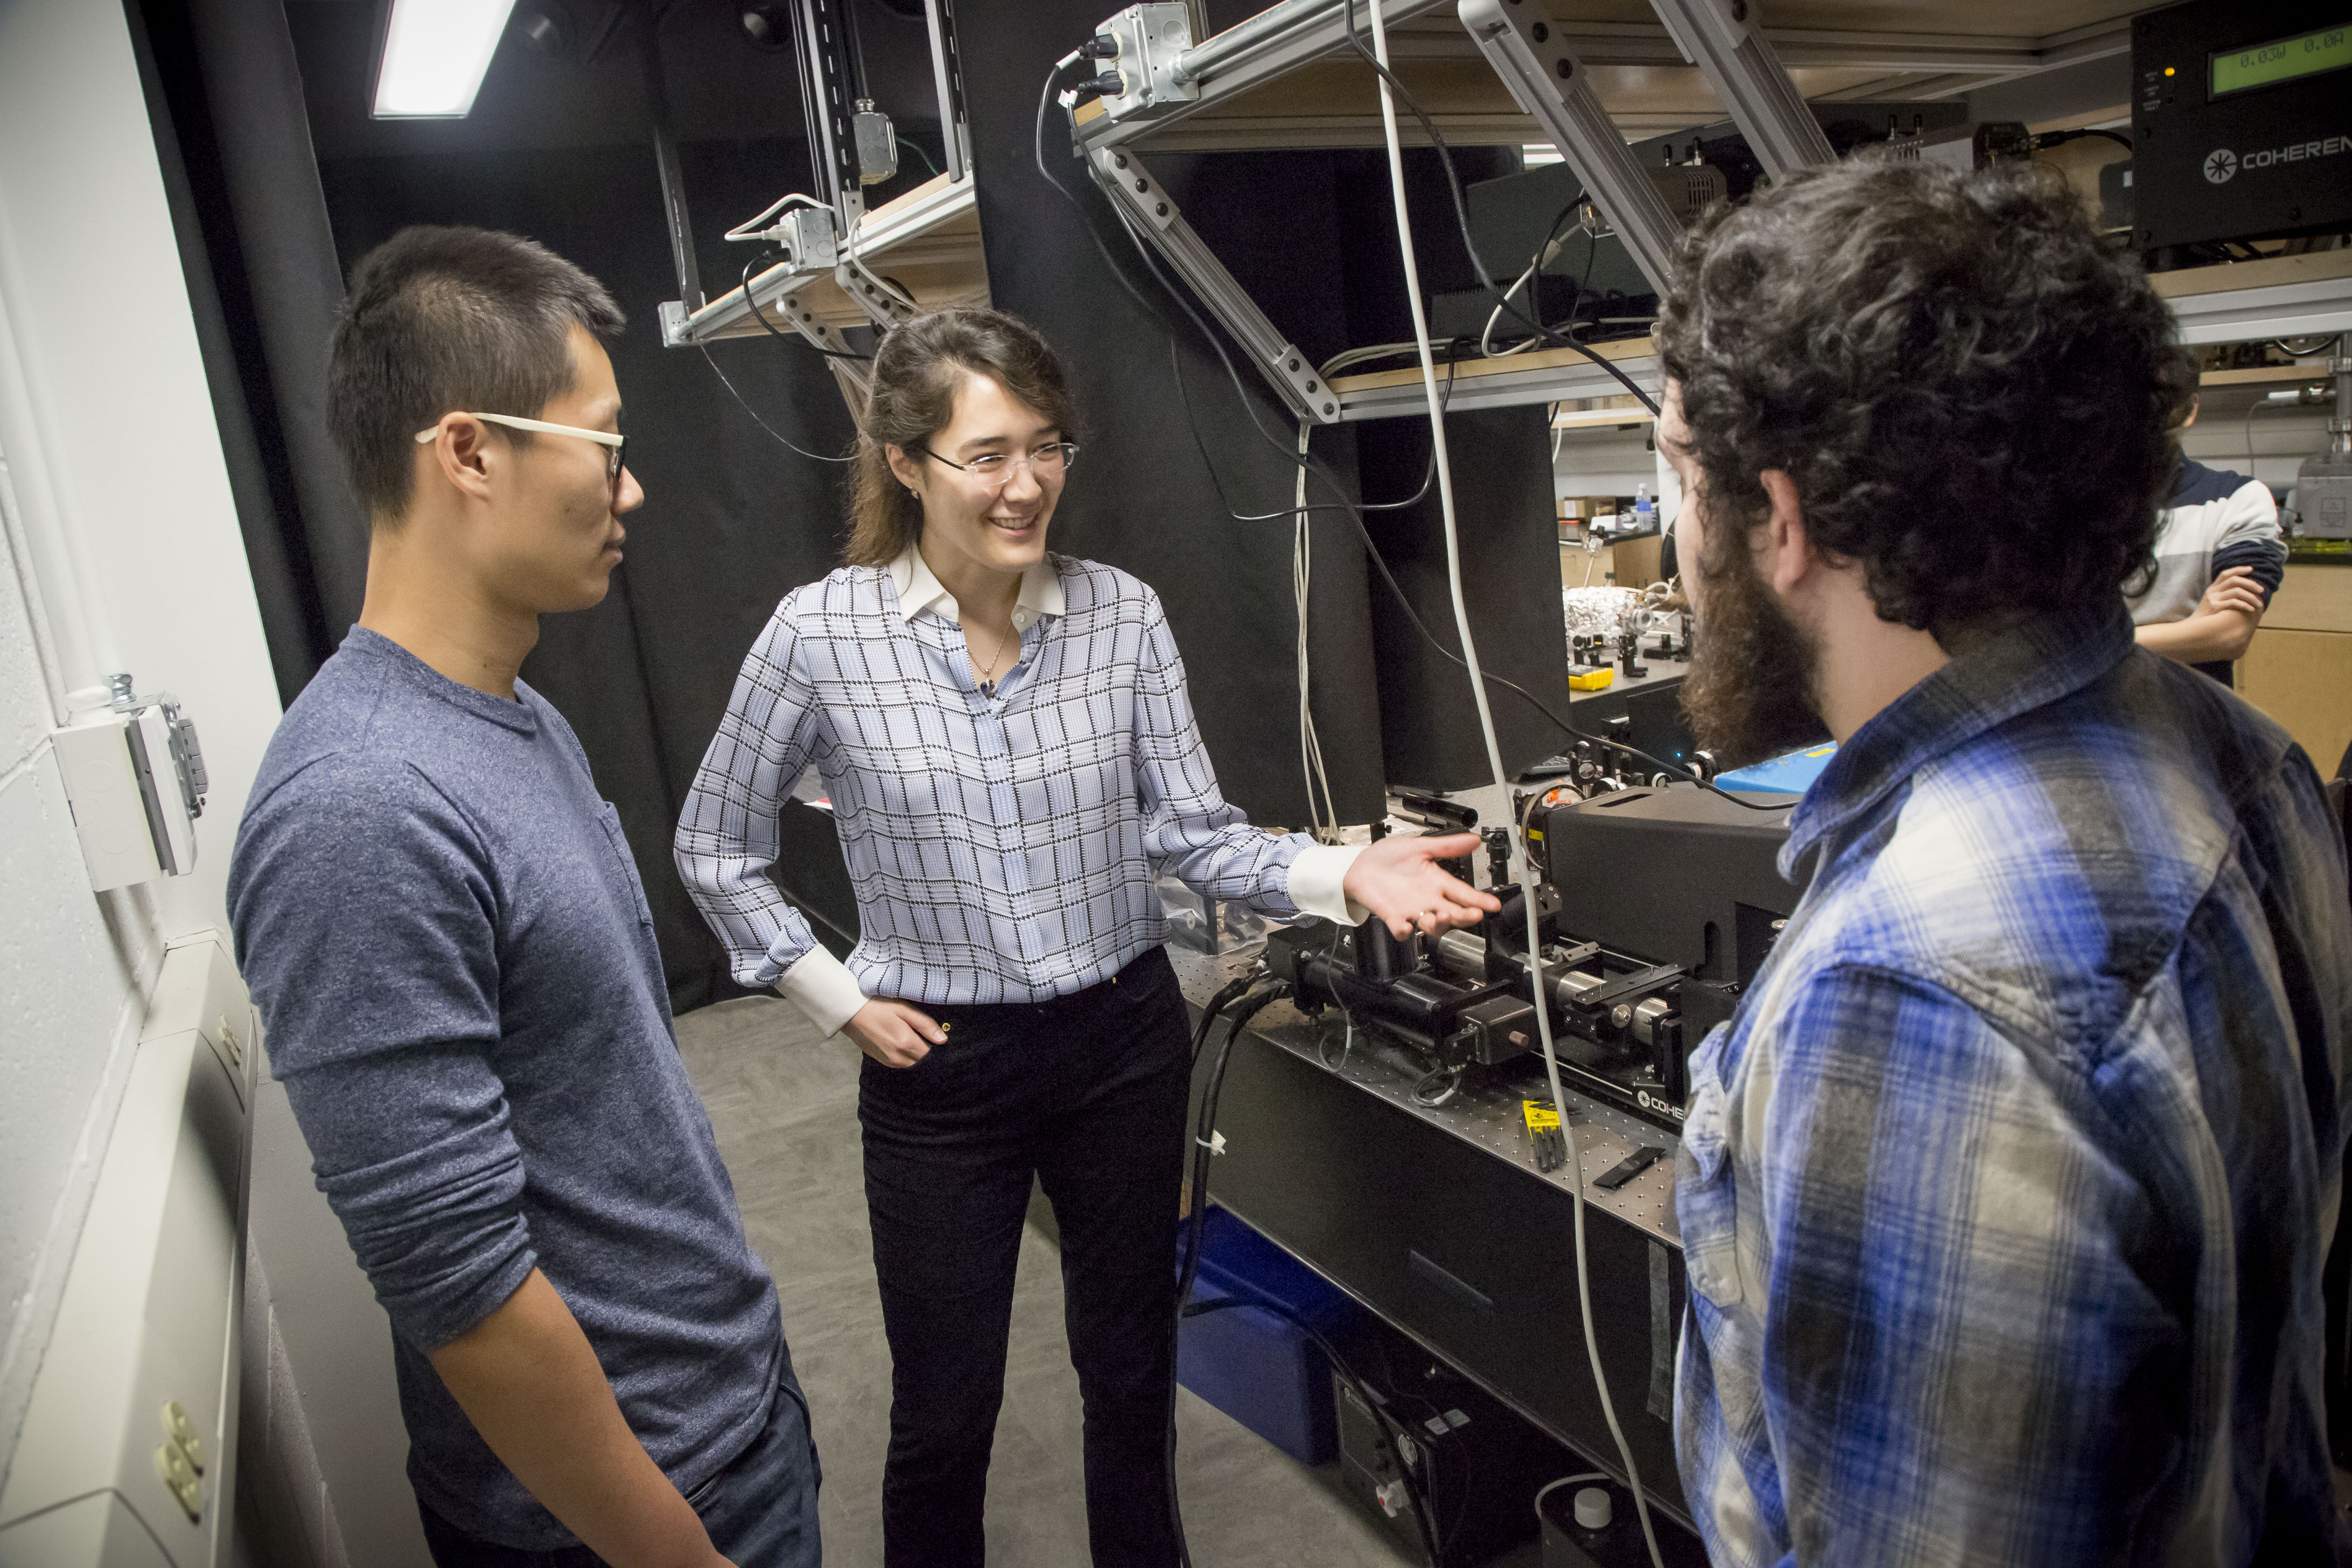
<point x="917" y="368"/>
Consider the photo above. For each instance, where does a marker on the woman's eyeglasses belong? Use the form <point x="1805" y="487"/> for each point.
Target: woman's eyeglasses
<point x="617" y="446"/>
<point x="1051" y="460"/>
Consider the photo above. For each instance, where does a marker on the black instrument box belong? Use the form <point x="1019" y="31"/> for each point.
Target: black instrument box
<point x="1674" y="875"/>
<point x="2239" y="122"/>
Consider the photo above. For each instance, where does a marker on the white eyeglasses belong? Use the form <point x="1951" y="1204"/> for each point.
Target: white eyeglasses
<point x="618" y="444"/>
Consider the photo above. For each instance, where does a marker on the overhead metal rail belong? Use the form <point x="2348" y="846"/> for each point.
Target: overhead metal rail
<point x="2277" y="297"/>
<point x="833" y="237"/>
<point x="2001" y="60"/>
<point x="892" y="229"/>
<point x="2240" y="301"/>
<point x="1968" y="62"/>
<point x="1146" y="207"/>
<point x="1197" y="83"/>
<point x="947" y="83"/>
<point x="1171" y="83"/>
<point x="1538" y="376"/>
<point x="1164" y="79"/>
<point x="1725" y="41"/>
<point x="1545" y="78"/>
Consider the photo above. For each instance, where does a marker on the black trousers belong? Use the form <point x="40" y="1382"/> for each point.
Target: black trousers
<point x="1088" y="1092"/>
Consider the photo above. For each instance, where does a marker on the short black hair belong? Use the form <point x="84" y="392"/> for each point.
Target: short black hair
<point x="1971" y="394"/>
<point x="450" y="319"/>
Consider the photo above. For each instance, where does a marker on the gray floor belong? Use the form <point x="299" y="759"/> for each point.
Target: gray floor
<point x="785" y="1105"/>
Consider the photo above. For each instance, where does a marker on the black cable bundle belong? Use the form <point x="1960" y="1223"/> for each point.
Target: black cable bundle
<point x="1204" y="1131"/>
<point x="1253" y="995"/>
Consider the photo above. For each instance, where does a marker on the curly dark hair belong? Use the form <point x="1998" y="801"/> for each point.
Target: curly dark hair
<point x="1972" y="395"/>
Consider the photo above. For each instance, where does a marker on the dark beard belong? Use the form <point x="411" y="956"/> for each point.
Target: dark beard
<point x="1749" y="692"/>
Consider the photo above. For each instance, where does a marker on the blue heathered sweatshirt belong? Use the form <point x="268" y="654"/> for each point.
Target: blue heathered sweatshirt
<point x="444" y="930"/>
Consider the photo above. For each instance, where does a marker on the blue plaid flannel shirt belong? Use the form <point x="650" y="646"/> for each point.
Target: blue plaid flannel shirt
<point x="2005" y="1192"/>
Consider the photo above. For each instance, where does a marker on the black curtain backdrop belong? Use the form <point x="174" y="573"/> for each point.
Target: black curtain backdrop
<point x="1311" y="236"/>
<point x="1501" y="459"/>
<point x="560" y="153"/>
<point x="196" y="155"/>
<point x="1148" y="500"/>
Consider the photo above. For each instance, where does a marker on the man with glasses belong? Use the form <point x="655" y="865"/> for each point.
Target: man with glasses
<point x="444" y="930"/>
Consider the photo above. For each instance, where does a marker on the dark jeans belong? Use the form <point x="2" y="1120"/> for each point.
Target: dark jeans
<point x="1088" y="1092"/>
<point x="760" y="1508"/>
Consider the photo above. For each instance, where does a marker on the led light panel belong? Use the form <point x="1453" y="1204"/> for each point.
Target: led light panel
<point x="435" y="52"/>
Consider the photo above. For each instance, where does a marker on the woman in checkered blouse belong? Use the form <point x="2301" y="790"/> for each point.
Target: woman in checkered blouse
<point x="1010" y="752"/>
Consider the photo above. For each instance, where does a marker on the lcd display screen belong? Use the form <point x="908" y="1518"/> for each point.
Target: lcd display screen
<point x="2284" y="60"/>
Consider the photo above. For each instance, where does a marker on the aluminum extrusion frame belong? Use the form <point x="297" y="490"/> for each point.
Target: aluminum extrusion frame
<point x="1148" y="208"/>
<point x="1724" y="39"/>
<point x="1543" y="74"/>
<point x="1247" y="55"/>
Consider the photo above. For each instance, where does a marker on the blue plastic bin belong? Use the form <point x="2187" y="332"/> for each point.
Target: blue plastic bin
<point x="1256" y="1365"/>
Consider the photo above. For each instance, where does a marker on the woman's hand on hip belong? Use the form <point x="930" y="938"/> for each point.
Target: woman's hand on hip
<point x="1399" y="880"/>
<point x="894" y="1033"/>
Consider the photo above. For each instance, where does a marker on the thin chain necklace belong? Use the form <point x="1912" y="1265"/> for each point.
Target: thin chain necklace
<point x="988" y="676"/>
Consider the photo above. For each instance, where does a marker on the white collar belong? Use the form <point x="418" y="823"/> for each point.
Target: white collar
<point x="919" y="590"/>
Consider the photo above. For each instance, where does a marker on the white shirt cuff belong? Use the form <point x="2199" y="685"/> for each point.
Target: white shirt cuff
<point x="1318" y="883"/>
<point x="821" y="987"/>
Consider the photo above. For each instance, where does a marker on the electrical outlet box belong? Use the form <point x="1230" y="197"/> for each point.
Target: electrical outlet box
<point x="1143" y="43"/>
<point x="878" y="144"/>
<point x="135" y="779"/>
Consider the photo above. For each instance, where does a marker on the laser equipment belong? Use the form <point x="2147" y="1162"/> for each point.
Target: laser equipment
<point x="2239" y="121"/>
<point x="1656" y="907"/>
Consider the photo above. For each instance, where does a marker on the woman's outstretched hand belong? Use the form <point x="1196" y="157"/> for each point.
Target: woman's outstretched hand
<point x="1399" y="879"/>
<point x="894" y="1033"/>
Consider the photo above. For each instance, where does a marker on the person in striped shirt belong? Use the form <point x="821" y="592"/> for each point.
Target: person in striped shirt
<point x="2219" y="556"/>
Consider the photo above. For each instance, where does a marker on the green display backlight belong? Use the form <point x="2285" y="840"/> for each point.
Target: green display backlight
<point x="2306" y="54"/>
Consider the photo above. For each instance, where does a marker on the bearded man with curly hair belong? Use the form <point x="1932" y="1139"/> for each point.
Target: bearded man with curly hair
<point x="2005" y="1192"/>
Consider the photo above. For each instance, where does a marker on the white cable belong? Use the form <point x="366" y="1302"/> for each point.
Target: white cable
<point x="1550" y="1486"/>
<point x="1339" y="362"/>
<point x="1301" y="570"/>
<point x="1323" y="818"/>
<point x="1495" y="753"/>
<point x="747" y="230"/>
<point x="1575" y="1166"/>
<point x="1486" y="338"/>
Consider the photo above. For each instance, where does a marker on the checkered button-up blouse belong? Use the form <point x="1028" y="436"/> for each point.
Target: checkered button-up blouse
<point x="1004" y="844"/>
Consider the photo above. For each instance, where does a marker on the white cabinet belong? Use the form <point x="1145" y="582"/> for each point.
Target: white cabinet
<point x="127" y="1454"/>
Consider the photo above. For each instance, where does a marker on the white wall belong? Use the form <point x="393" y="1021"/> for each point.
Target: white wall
<point x="123" y="553"/>
<point x="72" y="968"/>
<point x="1604" y="462"/>
<point x="2270" y="446"/>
